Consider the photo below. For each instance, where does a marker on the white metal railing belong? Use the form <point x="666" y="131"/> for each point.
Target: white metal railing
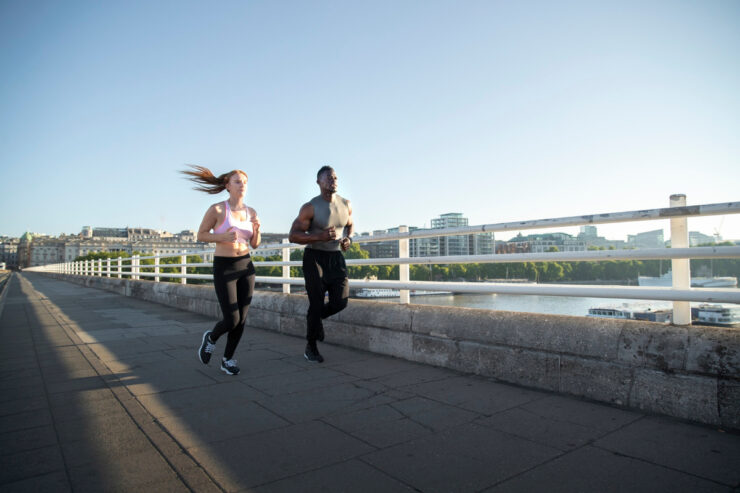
<point x="680" y="293"/>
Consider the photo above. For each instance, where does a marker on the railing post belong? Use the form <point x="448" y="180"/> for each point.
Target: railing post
<point x="100" y="267"/>
<point x="107" y="267"/>
<point x="403" y="269"/>
<point x="183" y="268"/>
<point x="680" y="267"/>
<point x="135" y="267"/>
<point x="286" y="268"/>
<point x="156" y="268"/>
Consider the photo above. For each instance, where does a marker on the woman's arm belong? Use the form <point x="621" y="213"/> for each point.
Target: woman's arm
<point x="256" y="235"/>
<point x="209" y="222"/>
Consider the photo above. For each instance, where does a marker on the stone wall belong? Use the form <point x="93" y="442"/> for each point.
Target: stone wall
<point x="686" y="372"/>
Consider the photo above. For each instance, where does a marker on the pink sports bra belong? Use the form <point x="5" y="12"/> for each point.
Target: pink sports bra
<point x="243" y="229"/>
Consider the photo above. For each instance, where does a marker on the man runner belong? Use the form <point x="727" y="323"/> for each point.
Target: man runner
<point x="324" y="225"/>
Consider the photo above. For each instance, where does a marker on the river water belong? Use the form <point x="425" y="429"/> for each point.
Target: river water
<point x="560" y="305"/>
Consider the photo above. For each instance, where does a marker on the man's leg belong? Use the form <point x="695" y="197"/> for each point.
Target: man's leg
<point x="315" y="291"/>
<point x="337" y="284"/>
<point x="338" y="295"/>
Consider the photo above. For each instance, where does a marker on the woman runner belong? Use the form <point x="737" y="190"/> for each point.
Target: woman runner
<point x="234" y="228"/>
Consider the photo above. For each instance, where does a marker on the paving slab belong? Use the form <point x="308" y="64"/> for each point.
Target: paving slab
<point x="273" y="455"/>
<point x="561" y="435"/>
<point x="703" y="452"/>
<point x="350" y="476"/>
<point x="464" y="458"/>
<point x="593" y="469"/>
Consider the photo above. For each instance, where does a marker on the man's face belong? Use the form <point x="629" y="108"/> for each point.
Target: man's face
<point x="328" y="181"/>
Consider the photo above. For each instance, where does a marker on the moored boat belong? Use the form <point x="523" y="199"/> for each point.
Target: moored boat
<point x="696" y="282"/>
<point x="717" y="314"/>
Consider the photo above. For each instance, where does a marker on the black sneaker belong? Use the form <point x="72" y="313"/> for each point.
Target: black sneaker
<point x="312" y="354"/>
<point x="206" y="348"/>
<point x="229" y="366"/>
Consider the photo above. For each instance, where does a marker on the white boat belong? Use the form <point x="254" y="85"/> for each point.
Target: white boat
<point x="723" y="315"/>
<point x="716" y="314"/>
<point x="377" y="293"/>
<point x="393" y="293"/>
<point x="696" y="282"/>
<point x="632" y="311"/>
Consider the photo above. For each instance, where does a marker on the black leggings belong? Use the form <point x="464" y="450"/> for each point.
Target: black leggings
<point x="233" y="278"/>
<point x="323" y="271"/>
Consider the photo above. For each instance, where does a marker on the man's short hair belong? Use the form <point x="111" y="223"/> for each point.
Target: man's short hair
<point x="323" y="170"/>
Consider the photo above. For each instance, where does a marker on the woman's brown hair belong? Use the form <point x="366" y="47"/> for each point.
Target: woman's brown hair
<point x="208" y="182"/>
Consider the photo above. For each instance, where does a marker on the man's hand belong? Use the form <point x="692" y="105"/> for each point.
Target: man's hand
<point x="329" y="234"/>
<point x="345" y="243"/>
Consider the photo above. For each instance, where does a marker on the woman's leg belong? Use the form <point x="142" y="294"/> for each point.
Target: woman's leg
<point x="244" y="291"/>
<point x="224" y="281"/>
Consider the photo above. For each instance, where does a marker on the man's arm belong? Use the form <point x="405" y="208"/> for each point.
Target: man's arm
<point x="299" y="230"/>
<point x="349" y="228"/>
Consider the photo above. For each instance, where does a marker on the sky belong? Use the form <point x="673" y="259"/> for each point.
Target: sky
<point x="500" y="110"/>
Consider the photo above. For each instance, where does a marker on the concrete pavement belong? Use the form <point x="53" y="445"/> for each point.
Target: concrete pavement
<point x="105" y="393"/>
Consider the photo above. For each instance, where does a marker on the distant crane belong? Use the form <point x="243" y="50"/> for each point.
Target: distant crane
<point x="717" y="239"/>
<point x="718" y="231"/>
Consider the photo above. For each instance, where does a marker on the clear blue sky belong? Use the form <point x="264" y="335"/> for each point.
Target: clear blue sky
<point x="500" y="110"/>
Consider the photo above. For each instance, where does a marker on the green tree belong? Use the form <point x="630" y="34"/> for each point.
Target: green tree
<point x="296" y="255"/>
<point x="420" y="272"/>
<point x="359" y="271"/>
<point x="272" y="271"/>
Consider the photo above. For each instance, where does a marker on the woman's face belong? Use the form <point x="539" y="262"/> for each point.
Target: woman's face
<point x="237" y="184"/>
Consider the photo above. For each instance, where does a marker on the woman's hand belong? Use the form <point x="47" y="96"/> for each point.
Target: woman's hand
<point x="228" y="237"/>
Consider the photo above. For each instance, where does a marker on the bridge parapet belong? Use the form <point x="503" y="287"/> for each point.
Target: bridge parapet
<point x="685" y="372"/>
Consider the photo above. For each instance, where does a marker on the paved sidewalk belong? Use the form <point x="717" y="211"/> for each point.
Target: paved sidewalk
<point x="105" y="393"/>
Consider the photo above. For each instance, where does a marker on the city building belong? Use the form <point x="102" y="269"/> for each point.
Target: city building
<point x="383" y="249"/>
<point x="9" y="251"/>
<point x="696" y="238"/>
<point x="269" y="239"/>
<point x="540" y="243"/>
<point x="648" y="239"/>
<point x="472" y="244"/>
<point x="452" y="245"/>
<point x="589" y="235"/>
<point x="33" y="250"/>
